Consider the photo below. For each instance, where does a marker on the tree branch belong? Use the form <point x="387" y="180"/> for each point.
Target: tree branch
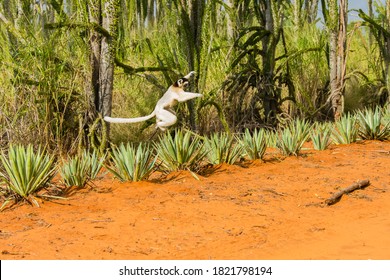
<point x="131" y="70"/>
<point x="93" y="26"/>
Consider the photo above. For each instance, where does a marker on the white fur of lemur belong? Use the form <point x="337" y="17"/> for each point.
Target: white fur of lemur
<point x="164" y="115"/>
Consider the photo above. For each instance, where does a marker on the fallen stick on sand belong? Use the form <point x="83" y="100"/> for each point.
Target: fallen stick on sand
<point x="337" y="196"/>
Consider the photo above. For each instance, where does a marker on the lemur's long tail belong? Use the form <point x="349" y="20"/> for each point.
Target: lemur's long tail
<point x="126" y="120"/>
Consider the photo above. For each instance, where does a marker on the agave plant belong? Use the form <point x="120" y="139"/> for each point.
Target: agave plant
<point x="370" y="125"/>
<point x="346" y="130"/>
<point x="292" y="138"/>
<point x="130" y="163"/>
<point x="80" y="169"/>
<point x="320" y="136"/>
<point x="96" y="163"/>
<point x="254" y="144"/>
<point x="183" y="151"/>
<point x="386" y="115"/>
<point x="74" y="172"/>
<point x="271" y="138"/>
<point x="221" y="148"/>
<point x="26" y="172"/>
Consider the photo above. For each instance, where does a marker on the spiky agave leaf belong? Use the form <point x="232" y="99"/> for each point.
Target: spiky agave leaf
<point x="253" y="144"/>
<point x="80" y="169"/>
<point x="222" y="148"/>
<point x="386" y="116"/>
<point x="96" y="163"/>
<point x="370" y="125"/>
<point x="271" y="138"/>
<point x="320" y="136"/>
<point x="130" y="163"/>
<point x="346" y="130"/>
<point x="75" y="171"/>
<point x="26" y="172"/>
<point x="183" y="151"/>
<point x="292" y="138"/>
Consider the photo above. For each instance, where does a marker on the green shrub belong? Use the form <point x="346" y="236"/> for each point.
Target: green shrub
<point x="292" y="138"/>
<point x="271" y="138"/>
<point x="320" y="136"/>
<point x="132" y="164"/>
<point x="26" y="172"/>
<point x="346" y="130"/>
<point x="386" y="115"/>
<point x="184" y="151"/>
<point x="77" y="171"/>
<point x="74" y="172"/>
<point x="254" y="144"/>
<point x="221" y="148"/>
<point x="370" y="125"/>
<point x="96" y="163"/>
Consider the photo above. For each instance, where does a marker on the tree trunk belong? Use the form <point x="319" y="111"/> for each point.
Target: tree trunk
<point x="94" y="14"/>
<point x="387" y="46"/>
<point x="151" y="19"/>
<point x="192" y="14"/>
<point x="231" y="25"/>
<point x="337" y="26"/>
<point x="271" y="106"/>
<point x="103" y="50"/>
<point x="107" y="56"/>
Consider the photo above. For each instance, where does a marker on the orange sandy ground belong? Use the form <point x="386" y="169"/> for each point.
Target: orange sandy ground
<point x="263" y="210"/>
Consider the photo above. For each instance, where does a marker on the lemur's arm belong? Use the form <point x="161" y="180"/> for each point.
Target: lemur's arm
<point x="184" y="96"/>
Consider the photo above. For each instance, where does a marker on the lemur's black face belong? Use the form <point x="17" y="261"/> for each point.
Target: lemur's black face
<point x="181" y="83"/>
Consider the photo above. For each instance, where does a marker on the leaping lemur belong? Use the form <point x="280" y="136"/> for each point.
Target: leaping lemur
<point x="164" y="115"/>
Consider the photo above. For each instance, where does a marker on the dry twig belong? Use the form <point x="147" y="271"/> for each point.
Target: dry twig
<point x="337" y="196"/>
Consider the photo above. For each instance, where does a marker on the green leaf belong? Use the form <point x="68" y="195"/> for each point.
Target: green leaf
<point x="132" y="164"/>
<point x="180" y="152"/>
<point x="222" y="148"/>
<point x="26" y="172"/>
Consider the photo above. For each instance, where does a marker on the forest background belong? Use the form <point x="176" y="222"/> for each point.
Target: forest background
<point x="66" y="63"/>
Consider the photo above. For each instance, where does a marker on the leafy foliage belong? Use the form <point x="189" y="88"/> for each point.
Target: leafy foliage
<point x="26" y="172"/>
<point x="346" y="130"/>
<point x="77" y="171"/>
<point x="130" y="163"/>
<point x="222" y="148"/>
<point x="183" y="151"/>
<point x="370" y="125"/>
<point x="254" y="144"/>
<point x="271" y="138"/>
<point x="320" y="135"/>
<point x="292" y="138"/>
<point x="386" y="116"/>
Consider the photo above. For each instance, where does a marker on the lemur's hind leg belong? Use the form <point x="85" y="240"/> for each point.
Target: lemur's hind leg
<point x="165" y="118"/>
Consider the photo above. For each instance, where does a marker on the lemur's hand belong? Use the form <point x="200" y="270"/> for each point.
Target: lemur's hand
<point x="189" y="75"/>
